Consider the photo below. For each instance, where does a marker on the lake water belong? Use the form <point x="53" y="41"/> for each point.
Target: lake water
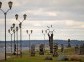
<point x="25" y="44"/>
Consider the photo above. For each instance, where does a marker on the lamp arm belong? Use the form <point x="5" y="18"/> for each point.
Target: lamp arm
<point x="7" y="10"/>
<point x="2" y="10"/>
<point x="22" y="21"/>
<point x="18" y="20"/>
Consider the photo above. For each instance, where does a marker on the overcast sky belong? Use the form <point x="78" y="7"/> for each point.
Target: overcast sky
<point x="66" y="16"/>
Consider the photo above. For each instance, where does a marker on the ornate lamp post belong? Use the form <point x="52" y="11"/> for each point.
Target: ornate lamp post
<point x="5" y="14"/>
<point x="14" y="38"/>
<point x="44" y="32"/>
<point x="50" y="31"/>
<point x="20" y="26"/>
<point x="29" y="33"/>
<point x="11" y="33"/>
<point x="17" y="38"/>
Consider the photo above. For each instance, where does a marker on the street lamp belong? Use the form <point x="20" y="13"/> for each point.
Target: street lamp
<point x="50" y="31"/>
<point x="13" y="25"/>
<point x="29" y="32"/>
<point x="17" y="38"/>
<point x="11" y="33"/>
<point x="20" y="26"/>
<point x="44" y="32"/>
<point x="5" y="13"/>
<point x="10" y="4"/>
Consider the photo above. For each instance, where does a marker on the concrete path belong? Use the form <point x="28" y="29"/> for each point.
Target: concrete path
<point x="2" y="56"/>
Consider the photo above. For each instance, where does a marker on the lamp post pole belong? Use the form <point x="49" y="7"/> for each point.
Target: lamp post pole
<point x="9" y="31"/>
<point x="20" y="26"/>
<point x="14" y="38"/>
<point x="17" y="39"/>
<point x="29" y="33"/>
<point x="44" y="32"/>
<point x="11" y="43"/>
<point x="50" y="31"/>
<point x="14" y="43"/>
<point x="29" y="43"/>
<point x="5" y="14"/>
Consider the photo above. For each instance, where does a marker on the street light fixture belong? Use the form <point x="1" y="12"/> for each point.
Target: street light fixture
<point x="10" y="4"/>
<point x="44" y="32"/>
<point x="16" y="16"/>
<point x="13" y="25"/>
<point x="0" y="4"/>
<point x="5" y="13"/>
<point x="29" y="32"/>
<point x="24" y="16"/>
<point x="20" y="26"/>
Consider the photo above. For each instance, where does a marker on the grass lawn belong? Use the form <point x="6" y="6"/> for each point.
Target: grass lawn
<point x="39" y="58"/>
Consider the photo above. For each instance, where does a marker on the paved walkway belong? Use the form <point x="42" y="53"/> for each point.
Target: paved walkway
<point x="2" y="56"/>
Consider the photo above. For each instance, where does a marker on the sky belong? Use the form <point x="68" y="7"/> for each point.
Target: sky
<point x="66" y="17"/>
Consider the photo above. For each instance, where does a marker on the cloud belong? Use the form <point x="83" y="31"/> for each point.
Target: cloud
<point x="48" y="10"/>
<point x="63" y="30"/>
<point x="66" y="16"/>
<point x="40" y="12"/>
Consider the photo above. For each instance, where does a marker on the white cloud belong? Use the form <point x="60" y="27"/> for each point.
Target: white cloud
<point x="65" y="31"/>
<point x="65" y="15"/>
<point x="40" y="12"/>
<point x="69" y="22"/>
